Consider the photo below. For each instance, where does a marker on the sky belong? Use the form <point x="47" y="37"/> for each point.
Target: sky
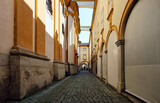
<point x="85" y="15"/>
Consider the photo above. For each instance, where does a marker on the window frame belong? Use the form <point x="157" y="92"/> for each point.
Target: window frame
<point x="102" y="18"/>
<point x="49" y="8"/>
<point x="85" y="49"/>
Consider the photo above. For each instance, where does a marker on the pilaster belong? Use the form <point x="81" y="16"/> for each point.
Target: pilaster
<point x="121" y="70"/>
<point x="106" y="66"/>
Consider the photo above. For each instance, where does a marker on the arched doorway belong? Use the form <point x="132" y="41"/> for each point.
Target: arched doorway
<point x="142" y="51"/>
<point x="103" y="63"/>
<point x="112" y="60"/>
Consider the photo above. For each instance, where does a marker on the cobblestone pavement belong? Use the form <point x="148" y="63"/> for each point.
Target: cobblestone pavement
<point x="81" y="88"/>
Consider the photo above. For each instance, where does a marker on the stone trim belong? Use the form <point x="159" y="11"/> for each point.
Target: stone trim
<point x="119" y="42"/>
<point x="57" y="61"/>
<point x="28" y="54"/>
<point x="106" y="51"/>
<point x="74" y="64"/>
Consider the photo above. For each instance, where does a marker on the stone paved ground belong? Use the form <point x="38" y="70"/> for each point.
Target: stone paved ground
<point x="82" y="88"/>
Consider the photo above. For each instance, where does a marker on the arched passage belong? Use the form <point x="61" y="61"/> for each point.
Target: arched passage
<point x="142" y="51"/>
<point x="112" y="59"/>
<point x="84" y="64"/>
<point x="103" y="63"/>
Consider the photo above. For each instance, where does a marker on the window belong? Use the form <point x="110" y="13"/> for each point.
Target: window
<point x="49" y="6"/>
<point x="84" y="49"/>
<point x="62" y="28"/>
<point x="110" y="5"/>
<point x="63" y="9"/>
<point x="102" y="19"/>
<point x="84" y="56"/>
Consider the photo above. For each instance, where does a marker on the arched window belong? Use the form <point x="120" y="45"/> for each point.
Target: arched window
<point x="110" y="9"/>
<point x="84" y="56"/>
<point x="49" y="6"/>
<point x="110" y="5"/>
<point x="102" y="19"/>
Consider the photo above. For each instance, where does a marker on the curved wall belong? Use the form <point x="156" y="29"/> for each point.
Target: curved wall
<point x="112" y="60"/>
<point x="142" y="51"/>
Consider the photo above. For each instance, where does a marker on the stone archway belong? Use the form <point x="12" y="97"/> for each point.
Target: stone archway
<point x="84" y="64"/>
<point x="112" y="60"/>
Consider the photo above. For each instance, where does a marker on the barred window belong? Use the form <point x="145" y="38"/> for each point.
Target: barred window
<point x="49" y="5"/>
<point x="102" y="25"/>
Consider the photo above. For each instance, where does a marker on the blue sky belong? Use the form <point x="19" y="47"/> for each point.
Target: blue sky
<point x="85" y="15"/>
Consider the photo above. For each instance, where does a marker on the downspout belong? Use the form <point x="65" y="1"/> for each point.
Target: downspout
<point x="67" y="35"/>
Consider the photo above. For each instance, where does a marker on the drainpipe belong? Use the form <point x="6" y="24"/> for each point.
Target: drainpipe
<point x="67" y="35"/>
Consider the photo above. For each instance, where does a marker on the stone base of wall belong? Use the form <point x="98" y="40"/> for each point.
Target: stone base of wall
<point x="73" y="69"/>
<point x="4" y="77"/>
<point x="28" y="74"/>
<point x="59" y="70"/>
<point x="66" y="69"/>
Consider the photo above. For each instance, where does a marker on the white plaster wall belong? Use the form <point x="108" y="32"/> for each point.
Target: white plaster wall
<point x="62" y="39"/>
<point x="142" y="51"/>
<point x="49" y="28"/>
<point x="99" y="71"/>
<point x="112" y="60"/>
<point x="63" y="49"/>
<point x="119" y="6"/>
<point x="70" y="39"/>
<point x="6" y="25"/>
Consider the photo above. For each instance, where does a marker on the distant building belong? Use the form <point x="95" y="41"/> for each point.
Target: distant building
<point x="83" y="55"/>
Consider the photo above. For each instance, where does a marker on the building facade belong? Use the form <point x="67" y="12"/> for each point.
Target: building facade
<point x="35" y="44"/>
<point x="124" y="46"/>
<point x="83" y="55"/>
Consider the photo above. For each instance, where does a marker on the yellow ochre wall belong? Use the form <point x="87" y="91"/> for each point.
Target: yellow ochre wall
<point x="24" y="24"/>
<point x="24" y="31"/>
<point x="40" y="27"/>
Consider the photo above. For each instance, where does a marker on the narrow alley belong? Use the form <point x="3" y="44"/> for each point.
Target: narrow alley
<point x="81" y="88"/>
<point x="79" y="51"/>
